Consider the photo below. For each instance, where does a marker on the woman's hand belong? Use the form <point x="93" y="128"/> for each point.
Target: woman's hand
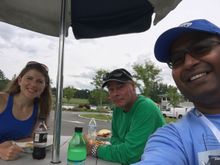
<point x="9" y="150"/>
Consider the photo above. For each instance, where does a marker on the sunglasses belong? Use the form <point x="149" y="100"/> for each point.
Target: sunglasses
<point x="196" y="50"/>
<point x="37" y="63"/>
<point x="117" y="74"/>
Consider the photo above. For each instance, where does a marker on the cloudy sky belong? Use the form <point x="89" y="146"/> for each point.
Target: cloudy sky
<point x="84" y="57"/>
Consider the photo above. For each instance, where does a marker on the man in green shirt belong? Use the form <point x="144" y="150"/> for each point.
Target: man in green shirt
<point x="134" y="119"/>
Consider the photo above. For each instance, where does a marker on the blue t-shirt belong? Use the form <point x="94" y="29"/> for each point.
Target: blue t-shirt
<point x="180" y="143"/>
<point x="12" y="128"/>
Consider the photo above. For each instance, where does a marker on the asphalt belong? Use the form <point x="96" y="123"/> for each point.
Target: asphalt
<point x="70" y="120"/>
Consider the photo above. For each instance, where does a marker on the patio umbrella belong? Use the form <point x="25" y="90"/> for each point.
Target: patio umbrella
<point x="88" y="19"/>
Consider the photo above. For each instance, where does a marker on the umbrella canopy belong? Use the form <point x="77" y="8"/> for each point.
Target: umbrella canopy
<point x="89" y="19"/>
<point x="100" y="18"/>
<point x="41" y="16"/>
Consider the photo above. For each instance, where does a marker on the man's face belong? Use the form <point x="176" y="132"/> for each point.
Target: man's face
<point x="197" y="74"/>
<point x="121" y="94"/>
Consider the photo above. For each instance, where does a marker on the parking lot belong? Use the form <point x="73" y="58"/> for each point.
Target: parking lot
<point x="70" y="120"/>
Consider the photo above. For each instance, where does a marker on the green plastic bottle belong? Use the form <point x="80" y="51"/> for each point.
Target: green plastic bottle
<point x="76" y="154"/>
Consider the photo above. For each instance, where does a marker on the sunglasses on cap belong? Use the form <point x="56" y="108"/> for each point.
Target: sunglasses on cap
<point x="117" y="74"/>
<point x="196" y="50"/>
<point x="37" y="63"/>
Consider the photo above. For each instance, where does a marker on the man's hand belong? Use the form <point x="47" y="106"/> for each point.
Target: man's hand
<point x="89" y="144"/>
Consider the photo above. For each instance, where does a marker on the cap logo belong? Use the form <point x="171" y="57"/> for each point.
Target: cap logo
<point x="187" y="24"/>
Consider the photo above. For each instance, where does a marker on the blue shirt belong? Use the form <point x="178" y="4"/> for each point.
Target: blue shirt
<point x="179" y="143"/>
<point x="12" y="128"/>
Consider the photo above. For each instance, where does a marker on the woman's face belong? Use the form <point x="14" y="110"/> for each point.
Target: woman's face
<point x="32" y="83"/>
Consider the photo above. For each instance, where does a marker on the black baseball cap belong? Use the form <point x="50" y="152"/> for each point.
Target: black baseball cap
<point x="120" y="75"/>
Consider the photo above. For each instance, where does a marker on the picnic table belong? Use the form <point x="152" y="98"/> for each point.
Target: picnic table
<point x="26" y="158"/>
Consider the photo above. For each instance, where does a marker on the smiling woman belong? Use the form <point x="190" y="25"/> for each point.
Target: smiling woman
<point x="27" y="98"/>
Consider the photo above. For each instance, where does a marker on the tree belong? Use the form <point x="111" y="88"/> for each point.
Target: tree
<point x="94" y="97"/>
<point x="2" y="75"/>
<point x="82" y="94"/>
<point x="3" y="80"/>
<point x="147" y="76"/>
<point x="157" y="91"/>
<point x="69" y="92"/>
<point x="97" y="82"/>
<point x="173" y="95"/>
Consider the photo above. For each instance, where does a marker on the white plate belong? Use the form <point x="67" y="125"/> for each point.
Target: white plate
<point x="28" y="146"/>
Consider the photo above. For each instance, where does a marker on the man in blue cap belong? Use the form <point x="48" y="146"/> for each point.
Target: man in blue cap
<point x="134" y="119"/>
<point x="192" y="51"/>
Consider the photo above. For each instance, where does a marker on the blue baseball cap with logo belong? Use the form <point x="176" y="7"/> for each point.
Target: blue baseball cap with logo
<point x="166" y="39"/>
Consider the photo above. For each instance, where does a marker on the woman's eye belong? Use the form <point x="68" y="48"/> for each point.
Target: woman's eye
<point x="29" y="78"/>
<point x="41" y="81"/>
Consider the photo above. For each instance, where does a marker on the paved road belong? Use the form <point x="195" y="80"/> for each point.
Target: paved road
<point x="70" y="120"/>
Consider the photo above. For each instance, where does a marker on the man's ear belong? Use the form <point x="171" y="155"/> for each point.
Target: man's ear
<point x="133" y="84"/>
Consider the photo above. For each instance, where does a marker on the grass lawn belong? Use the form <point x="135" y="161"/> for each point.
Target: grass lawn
<point x="73" y="101"/>
<point x="98" y="116"/>
<point x="168" y="120"/>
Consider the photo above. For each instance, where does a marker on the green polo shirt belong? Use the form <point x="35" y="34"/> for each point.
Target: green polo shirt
<point x="130" y="131"/>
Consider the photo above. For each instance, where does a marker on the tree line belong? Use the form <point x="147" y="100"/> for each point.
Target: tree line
<point x="146" y="76"/>
<point x="148" y="82"/>
<point x="3" y="80"/>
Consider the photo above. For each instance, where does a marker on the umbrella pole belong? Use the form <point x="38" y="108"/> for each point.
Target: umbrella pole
<point x="59" y="91"/>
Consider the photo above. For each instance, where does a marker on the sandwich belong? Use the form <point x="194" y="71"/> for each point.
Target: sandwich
<point x="104" y="133"/>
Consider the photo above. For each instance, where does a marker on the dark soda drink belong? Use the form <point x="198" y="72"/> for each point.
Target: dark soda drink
<point x="40" y="141"/>
<point x="39" y="153"/>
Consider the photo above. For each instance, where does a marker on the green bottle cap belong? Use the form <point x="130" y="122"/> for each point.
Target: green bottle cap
<point x="78" y="129"/>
